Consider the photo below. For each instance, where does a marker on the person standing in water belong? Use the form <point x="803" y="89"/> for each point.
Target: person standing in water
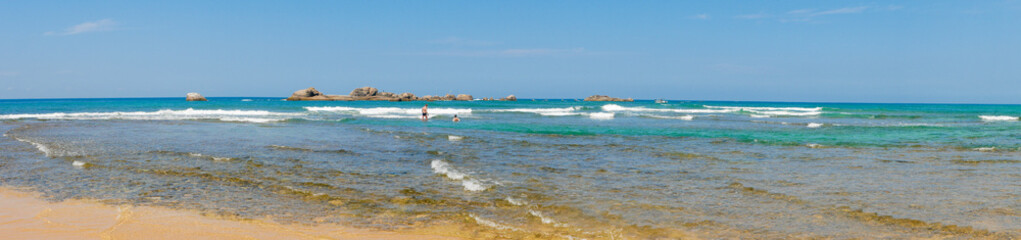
<point x="456" y="119"/>
<point x="425" y="112"/>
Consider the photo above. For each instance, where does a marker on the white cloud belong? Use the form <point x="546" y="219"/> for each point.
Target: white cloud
<point x="702" y="16"/>
<point x="86" y="27"/>
<point x="841" y="11"/>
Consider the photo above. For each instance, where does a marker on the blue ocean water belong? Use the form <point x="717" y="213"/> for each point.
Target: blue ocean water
<point x="552" y="168"/>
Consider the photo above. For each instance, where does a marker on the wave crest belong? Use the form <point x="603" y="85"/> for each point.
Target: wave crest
<point x="990" y="118"/>
<point x="254" y="116"/>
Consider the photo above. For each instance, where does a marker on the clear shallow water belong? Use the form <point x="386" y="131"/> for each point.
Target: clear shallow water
<point x="547" y="168"/>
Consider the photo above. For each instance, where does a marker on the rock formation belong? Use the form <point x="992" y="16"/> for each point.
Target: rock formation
<point x="371" y="94"/>
<point x="195" y="97"/>
<point x="364" y="92"/>
<point x="510" y="98"/>
<point x="604" y="98"/>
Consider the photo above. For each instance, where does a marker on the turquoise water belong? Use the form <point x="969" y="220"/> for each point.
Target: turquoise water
<point x="549" y="168"/>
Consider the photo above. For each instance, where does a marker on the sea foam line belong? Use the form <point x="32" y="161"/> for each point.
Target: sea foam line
<point x="256" y="116"/>
<point x="492" y="224"/>
<point x="470" y="184"/>
<point x="990" y="118"/>
<point x="545" y="219"/>
<point x="619" y="108"/>
<point x="42" y="148"/>
<point x="567" y="111"/>
<point x="772" y="111"/>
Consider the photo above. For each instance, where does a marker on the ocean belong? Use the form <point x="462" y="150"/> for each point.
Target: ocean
<point x="542" y="168"/>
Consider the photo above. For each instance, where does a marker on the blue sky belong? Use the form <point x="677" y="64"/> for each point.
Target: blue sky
<point x="845" y="51"/>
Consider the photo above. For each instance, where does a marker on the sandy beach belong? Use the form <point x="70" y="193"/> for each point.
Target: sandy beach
<point x="24" y="215"/>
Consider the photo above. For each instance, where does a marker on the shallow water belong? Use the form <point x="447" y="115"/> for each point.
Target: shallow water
<point x="542" y="169"/>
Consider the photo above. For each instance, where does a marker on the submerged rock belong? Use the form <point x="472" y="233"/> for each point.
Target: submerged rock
<point x="604" y="98"/>
<point x="195" y="97"/>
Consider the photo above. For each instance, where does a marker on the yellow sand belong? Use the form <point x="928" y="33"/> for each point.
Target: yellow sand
<point x="23" y="215"/>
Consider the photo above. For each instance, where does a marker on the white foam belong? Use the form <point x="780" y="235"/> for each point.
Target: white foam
<point x="42" y="148"/>
<point x="246" y="100"/>
<point x="814" y="125"/>
<point x="800" y="109"/>
<point x="771" y="111"/>
<point x="813" y="145"/>
<point x="221" y="159"/>
<point x="78" y="164"/>
<point x="473" y="185"/>
<point x="545" y="219"/>
<point x="685" y="117"/>
<point x="257" y="116"/>
<point x="454" y="138"/>
<point x="989" y="118"/>
<point x="618" y="108"/>
<point x="759" y="116"/>
<point x="985" y="149"/>
<point x="492" y="224"/>
<point x="515" y="201"/>
<point x="392" y="112"/>
<point x="444" y="168"/>
<point x="568" y="111"/>
<point x="601" y="115"/>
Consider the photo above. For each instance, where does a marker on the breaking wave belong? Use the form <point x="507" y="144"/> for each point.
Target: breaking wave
<point x="470" y="184"/>
<point x="568" y="111"/>
<point x="772" y="111"/>
<point x="989" y="118"/>
<point x="42" y="148"/>
<point x="618" y="108"/>
<point x="253" y="116"/>
<point x="601" y="115"/>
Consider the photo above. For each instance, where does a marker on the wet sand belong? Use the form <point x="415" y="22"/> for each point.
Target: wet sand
<point x="24" y="215"/>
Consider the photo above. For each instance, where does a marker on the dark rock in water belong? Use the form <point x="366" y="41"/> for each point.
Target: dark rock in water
<point x="194" y="97"/>
<point x="364" y="92"/>
<point x="463" y="97"/>
<point x="510" y="98"/>
<point x="449" y="97"/>
<point x="387" y="94"/>
<point x="604" y="98"/>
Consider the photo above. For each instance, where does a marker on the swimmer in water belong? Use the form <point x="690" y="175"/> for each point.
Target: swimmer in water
<point x="425" y="112"/>
<point x="456" y="119"/>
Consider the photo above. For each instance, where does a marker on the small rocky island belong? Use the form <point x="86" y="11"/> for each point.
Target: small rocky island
<point x="604" y="98"/>
<point x="373" y="94"/>
<point x="194" y="97"/>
